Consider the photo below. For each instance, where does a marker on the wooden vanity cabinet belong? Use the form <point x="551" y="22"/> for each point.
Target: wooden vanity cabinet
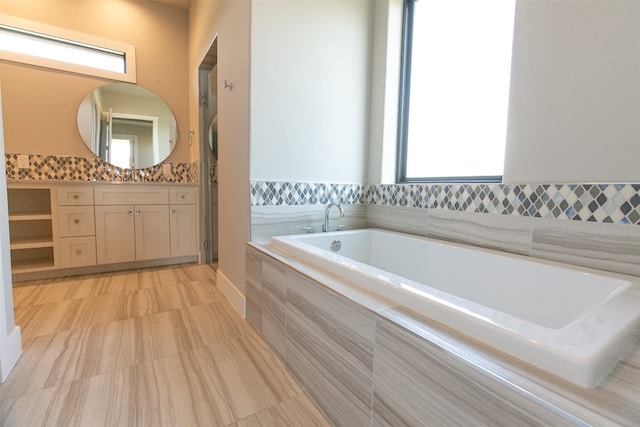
<point x="100" y="227"/>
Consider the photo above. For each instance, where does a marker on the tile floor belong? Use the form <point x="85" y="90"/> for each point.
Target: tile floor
<point x="152" y="347"/>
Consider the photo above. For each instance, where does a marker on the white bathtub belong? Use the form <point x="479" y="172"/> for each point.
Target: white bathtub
<point x="572" y="322"/>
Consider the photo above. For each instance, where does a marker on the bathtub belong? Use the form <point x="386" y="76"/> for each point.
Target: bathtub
<point x="575" y="323"/>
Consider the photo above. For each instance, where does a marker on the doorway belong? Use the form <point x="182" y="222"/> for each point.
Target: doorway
<point x="208" y="90"/>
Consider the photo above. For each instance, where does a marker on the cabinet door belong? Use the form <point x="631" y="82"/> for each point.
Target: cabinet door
<point x="115" y="234"/>
<point x="152" y="231"/>
<point x="184" y="233"/>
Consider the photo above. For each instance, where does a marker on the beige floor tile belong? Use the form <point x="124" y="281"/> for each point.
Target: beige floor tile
<point x="151" y="347"/>
<point x="47" y="319"/>
<point x="175" y="391"/>
<point x="216" y="321"/>
<point x="174" y="296"/>
<point x="253" y="378"/>
<point x="102" y="400"/>
<point x="296" y="412"/>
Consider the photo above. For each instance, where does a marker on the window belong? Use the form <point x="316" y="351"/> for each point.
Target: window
<point x="456" y="64"/>
<point x="121" y="150"/>
<point x="57" y="48"/>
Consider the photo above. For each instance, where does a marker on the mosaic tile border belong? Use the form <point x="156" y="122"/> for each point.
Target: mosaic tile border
<point x="606" y="203"/>
<point x="72" y="168"/>
<point x="304" y="193"/>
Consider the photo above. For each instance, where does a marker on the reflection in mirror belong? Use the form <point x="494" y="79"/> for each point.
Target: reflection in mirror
<point x="127" y="126"/>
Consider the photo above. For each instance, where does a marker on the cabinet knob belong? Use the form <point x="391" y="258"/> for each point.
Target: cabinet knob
<point x="78" y="251"/>
<point x="76" y="197"/>
<point x="137" y="212"/>
<point x="129" y="212"/>
<point x="76" y="221"/>
<point x="182" y="196"/>
<point x="173" y="211"/>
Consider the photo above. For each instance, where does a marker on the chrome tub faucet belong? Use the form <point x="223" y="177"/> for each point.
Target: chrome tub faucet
<point x="325" y="224"/>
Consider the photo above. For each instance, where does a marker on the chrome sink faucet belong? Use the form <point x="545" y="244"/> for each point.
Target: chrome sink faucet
<point x="325" y="224"/>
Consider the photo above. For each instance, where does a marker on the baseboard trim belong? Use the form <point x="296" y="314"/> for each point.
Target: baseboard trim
<point x="10" y="353"/>
<point x="233" y="295"/>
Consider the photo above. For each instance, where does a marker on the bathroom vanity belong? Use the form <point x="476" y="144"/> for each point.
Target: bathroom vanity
<point x="75" y="228"/>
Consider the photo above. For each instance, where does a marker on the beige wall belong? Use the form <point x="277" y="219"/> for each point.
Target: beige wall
<point x="230" y="21"/>
<point x="40" y="105"/>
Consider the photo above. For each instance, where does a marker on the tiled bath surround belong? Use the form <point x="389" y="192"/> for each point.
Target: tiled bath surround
<point x="593" y="225"/>
<point x="73" y="168"/>
<point x="367" y="362"/>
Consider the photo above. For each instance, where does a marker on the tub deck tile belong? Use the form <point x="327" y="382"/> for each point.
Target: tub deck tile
<point x="611" y="247"/>
<point x="499" y="232"/>
<point x="613" y="403"/>
<point x="403" y="219"/>
<point x="274" y="294"/>
<point x="254" y="288"/>
<point x="330" y="350"/>
<point x="417" y="383"/>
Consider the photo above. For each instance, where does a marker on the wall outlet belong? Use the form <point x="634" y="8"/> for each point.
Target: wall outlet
<point x="166" y="168"/>
<point x="23" y="161"/>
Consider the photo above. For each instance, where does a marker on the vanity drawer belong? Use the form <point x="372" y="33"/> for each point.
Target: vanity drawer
<point x="122" y="195"/>
<point x="182" y="196"/>
<point x="77" y="251"/>
<point x="76" y="221"/>
<point x="75" y="195"/>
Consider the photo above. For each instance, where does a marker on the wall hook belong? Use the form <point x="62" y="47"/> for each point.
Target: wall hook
<point x="228" y="85"/>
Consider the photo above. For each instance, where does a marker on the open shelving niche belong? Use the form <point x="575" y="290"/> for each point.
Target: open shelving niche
<point x="30" y="229"/>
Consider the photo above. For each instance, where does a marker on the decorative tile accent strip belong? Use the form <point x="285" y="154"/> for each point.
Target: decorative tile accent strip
<point x="71" y="168"/>
<point x="304" y="193"/>
<point x="606" y="203"/>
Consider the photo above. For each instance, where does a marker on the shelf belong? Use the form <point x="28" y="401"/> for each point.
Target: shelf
<point x="29" y="216"/>
<point x="32" y="264"/>
<point x="30" y="229"/>
<point x="29" y="200"/>
<point x="31" y="242"/>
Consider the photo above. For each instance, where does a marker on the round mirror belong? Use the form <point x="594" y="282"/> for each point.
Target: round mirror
<point x="127" y="126"/>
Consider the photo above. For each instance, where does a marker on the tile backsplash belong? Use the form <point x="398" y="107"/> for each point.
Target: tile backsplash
<point x="269" y="193"/>
<point x="606" y="203"/>
<point x="73" y="168"/>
